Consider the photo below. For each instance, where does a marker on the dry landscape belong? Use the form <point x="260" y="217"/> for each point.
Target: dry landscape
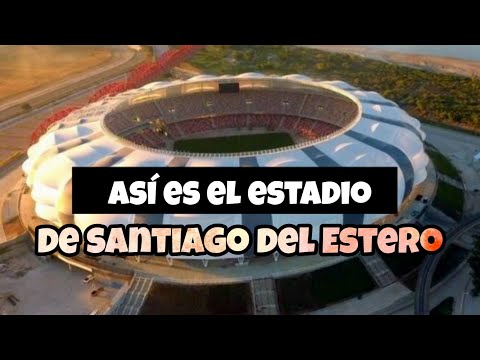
<point x="26" y="67"/>
<point x="429" y="62"/>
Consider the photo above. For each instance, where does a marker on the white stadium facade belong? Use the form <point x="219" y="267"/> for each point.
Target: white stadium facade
<point x="332" y="124"/>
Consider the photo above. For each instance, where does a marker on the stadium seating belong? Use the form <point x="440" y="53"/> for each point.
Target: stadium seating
<point x="330" y="109"/>
<point x="148" y="137"/>
<point x="118" y="123"/>
<point x="194" y="126"/>
<point x="307" y="129"/>
<point x="173" y="131"/>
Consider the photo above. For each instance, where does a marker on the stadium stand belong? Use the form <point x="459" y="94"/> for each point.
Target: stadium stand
<point x="308" y="116"/>
<point x="306" y="129"/>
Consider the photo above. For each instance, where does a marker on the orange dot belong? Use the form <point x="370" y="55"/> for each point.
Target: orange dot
<point x="437" y="239"/>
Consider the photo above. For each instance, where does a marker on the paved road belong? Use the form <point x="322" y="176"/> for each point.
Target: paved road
<point x="424" y="282"/>
<point x="437" y="131"/>
<point x="50" y="93"/>
<point x="58" y="104"/>
<point x="460" y="148"/>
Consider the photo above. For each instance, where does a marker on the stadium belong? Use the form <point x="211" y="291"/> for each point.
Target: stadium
<point x="155" y="113"/>
<point x="247" y="120"/>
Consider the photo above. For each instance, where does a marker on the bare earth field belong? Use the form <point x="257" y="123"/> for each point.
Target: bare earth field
<point x="26" y="67"/>
<point x="42" y="288"/>
<point x="52" y="75"/>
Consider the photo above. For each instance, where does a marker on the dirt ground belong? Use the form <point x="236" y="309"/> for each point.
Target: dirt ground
<point x="30" y="286"/>
<point x="25" y="67"/>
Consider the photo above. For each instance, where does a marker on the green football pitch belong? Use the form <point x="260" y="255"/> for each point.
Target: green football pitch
<point x="233" y="144"/>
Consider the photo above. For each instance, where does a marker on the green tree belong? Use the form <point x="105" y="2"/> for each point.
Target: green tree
<point x="439" y="97"/>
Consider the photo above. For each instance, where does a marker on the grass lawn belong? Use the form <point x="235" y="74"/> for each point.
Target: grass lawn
<point x="168" y="299"/>
<point x="442" y="164"/>
<point x="452" y="258"/>
<point x="444" y="308"/>
<point x="403" y="265"/>
<point x="320" y="288"/>
<point x="231" y="144"/>
<point x="449" y="199"/>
